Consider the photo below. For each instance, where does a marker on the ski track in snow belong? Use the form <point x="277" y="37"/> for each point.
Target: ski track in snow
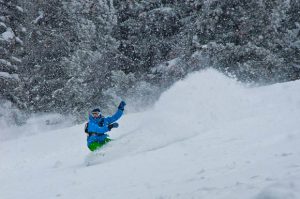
<point x="207" y="137"/>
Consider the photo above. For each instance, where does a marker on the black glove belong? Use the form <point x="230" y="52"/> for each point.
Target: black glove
<point x="121" y="106"/>
<point x="113" y="125"/>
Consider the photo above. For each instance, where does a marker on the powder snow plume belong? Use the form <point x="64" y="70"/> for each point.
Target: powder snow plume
<point x="208" y="136"/>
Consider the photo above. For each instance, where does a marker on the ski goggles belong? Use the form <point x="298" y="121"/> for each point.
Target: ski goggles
<point x="97" y="114"/>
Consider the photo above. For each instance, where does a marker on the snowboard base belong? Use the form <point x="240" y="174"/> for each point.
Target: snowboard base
<point x="94" y="158"/>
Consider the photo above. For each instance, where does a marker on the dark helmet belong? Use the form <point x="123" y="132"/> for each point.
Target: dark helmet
<point x="96" y="110"/>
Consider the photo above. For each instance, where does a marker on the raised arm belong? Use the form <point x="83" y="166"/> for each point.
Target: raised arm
<point x="117" y="115"/>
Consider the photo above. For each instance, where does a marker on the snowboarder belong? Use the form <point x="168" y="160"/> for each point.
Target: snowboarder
<point x="98" y="126"/>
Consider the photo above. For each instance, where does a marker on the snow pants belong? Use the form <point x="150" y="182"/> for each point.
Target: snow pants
<point x="97" y="145"/>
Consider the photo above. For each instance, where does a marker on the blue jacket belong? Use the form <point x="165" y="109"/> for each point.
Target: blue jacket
<point x="99" y="126"/>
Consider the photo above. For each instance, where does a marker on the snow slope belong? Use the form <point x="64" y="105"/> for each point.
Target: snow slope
<point x="207" y="137"/>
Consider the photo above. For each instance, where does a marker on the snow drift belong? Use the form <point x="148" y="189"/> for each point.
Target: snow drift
<point x="207" y="137"/>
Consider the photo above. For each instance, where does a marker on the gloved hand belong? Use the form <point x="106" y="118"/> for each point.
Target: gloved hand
<point x="113" y="125"/>
<point x="121" y="106"/>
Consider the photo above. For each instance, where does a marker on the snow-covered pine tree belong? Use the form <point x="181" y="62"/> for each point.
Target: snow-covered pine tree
<point x="89" y="66"/>
<point x="286" y="23"/>
<point x="50" y="38"/>
<point x="240" y="39"/>
<point x="12" y="32"/>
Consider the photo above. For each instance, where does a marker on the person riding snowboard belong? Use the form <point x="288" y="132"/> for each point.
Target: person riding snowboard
<point x="98" y="126"/>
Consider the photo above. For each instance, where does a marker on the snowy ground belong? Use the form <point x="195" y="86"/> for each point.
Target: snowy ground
<point x="207" y="137"/>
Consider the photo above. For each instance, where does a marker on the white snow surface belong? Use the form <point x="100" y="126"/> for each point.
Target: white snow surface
<point x="207" y="137"/>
